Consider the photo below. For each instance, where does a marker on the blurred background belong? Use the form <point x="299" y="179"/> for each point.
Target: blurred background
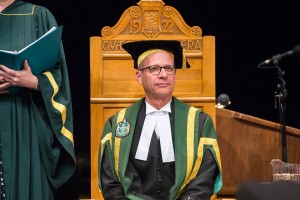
<point x="247" y="32"/>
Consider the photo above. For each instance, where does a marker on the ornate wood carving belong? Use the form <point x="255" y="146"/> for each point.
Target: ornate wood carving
<point x="151" y="19"/>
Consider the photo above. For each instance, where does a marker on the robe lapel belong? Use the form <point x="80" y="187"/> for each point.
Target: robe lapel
<point x="122" y="145"/>
<point x="186" y="141"/>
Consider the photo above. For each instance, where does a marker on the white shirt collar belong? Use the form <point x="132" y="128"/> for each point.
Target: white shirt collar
<point x="150" y="109"/>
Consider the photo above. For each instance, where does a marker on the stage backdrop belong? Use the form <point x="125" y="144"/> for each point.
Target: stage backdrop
<point x="247" y="33"/>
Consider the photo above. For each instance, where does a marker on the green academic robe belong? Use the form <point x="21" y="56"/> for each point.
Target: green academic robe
<point x="36" y="127"/>
<point x="120" y="134"/>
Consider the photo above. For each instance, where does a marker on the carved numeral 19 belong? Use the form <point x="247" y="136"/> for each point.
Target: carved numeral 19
<point x="135" y="25"/>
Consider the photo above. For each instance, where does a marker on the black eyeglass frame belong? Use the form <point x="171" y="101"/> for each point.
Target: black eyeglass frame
<point x="166" y="68"/>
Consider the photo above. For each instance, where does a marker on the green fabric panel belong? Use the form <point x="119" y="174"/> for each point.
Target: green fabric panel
<point x="208" y="129"/>
<point x="180" y="127"/>
<point x="196" y="133"/>
<point x="131" y="116"/>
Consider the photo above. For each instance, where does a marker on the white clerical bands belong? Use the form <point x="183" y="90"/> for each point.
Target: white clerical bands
<point x="159" y="121"/>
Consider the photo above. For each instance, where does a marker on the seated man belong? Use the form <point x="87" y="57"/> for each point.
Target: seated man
<point x="159" y="147"/>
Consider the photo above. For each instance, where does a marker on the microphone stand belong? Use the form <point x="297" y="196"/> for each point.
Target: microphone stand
<point x="281" y="96"/>
<point x="282" y="110"/>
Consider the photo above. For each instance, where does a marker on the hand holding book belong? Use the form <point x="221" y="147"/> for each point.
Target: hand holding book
<point x="41" y="55"/>
<point x="23" y="78"/>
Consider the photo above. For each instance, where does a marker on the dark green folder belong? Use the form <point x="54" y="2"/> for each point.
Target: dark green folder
<point x="41" y="55"/>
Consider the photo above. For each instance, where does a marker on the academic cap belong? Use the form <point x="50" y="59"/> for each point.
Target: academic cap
<point x="137" y="48"/>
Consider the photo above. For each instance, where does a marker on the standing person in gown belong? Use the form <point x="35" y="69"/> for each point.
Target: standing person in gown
<point x="36" y="125"/>
<point x="159" y="147"/>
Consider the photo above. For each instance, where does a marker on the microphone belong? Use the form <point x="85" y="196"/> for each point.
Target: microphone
<point x="274" y="60"/>
<point x="223" y="100"/>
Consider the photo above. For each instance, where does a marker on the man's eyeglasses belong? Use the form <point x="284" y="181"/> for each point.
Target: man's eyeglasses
<point x="155" y="69"/>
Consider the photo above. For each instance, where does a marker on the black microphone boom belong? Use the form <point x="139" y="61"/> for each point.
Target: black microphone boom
<point x="274" y="60"/>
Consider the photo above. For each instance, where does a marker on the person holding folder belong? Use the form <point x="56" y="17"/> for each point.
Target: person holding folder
<point x="36" y="126"/>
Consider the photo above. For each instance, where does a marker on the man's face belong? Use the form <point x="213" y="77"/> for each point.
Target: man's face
<point x="157" y="86"/>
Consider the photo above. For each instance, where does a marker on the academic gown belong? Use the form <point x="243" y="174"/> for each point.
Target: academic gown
<point x="153" y="179"/>
<point x="36" y="127"/>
